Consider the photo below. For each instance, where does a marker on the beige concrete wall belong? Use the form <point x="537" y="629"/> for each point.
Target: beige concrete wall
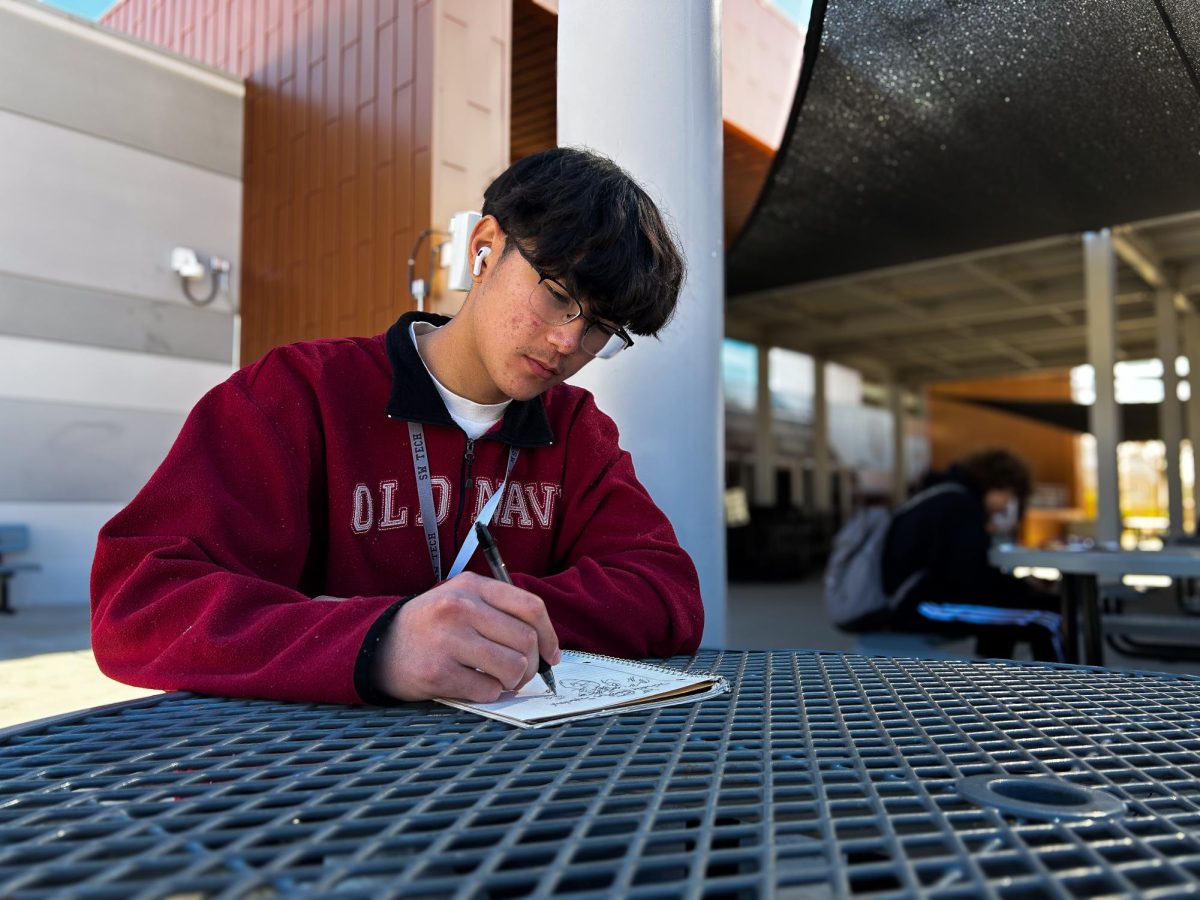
<point x="111" y="154"/>
<point x="472" y="87"/>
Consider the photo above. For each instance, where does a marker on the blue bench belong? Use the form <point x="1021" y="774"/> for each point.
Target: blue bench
<point x="13" y="539"/>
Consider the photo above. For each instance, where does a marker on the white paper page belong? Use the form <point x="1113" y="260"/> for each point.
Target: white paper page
<point x="586" y="683"/>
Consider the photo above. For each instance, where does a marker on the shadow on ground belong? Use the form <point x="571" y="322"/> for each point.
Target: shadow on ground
<point x="35" y="630"/>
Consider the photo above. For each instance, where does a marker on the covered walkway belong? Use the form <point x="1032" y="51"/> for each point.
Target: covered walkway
<point x="967" y="190"/>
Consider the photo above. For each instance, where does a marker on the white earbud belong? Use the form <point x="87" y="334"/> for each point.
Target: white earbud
<point x="484" y="253"/>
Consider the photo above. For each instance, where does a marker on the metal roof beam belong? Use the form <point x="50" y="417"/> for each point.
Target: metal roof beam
<point x="1058" y="241"/>
<point x="991" y="368"/>
<point x="937" y="326"/>
<point x="788" y="340"/>
<point x="963" y="354"/>
<point x="1031" y="341"/>
<point x="1020" y="294"/>
<point x="958" y="312"/>
<point x="1137" y="253"/>
<point x="884" y="298"/>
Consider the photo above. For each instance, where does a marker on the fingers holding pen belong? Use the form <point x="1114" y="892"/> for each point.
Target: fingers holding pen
<point x="531" y="609"/>
<point x="524" y="607"/>
<point x="520" y="621"/>
<point x="503" y="630"/>
<point x="506" y="667"/>
<point x="470" y="637"/>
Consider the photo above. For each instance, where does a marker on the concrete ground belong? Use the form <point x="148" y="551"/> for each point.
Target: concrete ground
<point x="47" y="667"/>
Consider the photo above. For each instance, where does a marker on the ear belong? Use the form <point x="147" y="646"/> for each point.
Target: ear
<point x="486" y="237"/>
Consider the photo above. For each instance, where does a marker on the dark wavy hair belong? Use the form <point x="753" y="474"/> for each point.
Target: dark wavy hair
<point x="996" y="469"/>
<point x="588" y="225"/>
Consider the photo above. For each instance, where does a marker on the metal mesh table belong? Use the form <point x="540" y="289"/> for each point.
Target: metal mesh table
<point x="821" y="775"/>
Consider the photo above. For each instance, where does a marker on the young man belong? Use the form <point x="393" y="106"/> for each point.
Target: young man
<point x="945" y="539"/>
<point x="286" y="547"/>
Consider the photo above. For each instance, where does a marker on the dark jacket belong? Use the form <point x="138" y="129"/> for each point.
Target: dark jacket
<point x="294" y="479"/>
<point x="946" y="537"/>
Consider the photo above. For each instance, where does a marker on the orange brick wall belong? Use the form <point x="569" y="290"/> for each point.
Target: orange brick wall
<point x="534" y="79"/>
<point x="337" y="146"/>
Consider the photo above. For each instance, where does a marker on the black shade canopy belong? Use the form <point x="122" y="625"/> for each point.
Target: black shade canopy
<point x="1139" y="421"/>
<point x="924" y="128"/>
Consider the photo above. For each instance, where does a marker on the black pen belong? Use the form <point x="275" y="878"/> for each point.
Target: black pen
<point x="500" y="573"/>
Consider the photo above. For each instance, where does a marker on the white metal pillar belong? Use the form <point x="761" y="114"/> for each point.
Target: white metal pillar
<point x="641" y="82"/>
<point x="764" y="438"/>
<point x="895" y="395"/>
<point x="1100" y="282"/>
<point x="1191" y="346"/>
<point x="822" y="486"/>
<point x="1170" y="414"/>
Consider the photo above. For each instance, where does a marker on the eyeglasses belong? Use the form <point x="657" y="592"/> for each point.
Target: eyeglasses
<point x="552" y="304"/>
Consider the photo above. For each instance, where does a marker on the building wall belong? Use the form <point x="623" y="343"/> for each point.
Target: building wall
<point x="472" y="63"/>
<point x="113" y="153"/>
<point x="760" y="65"/>
<point x="860" y="435"/>
<point x="366" y="123"/>
<point x="534" y="78"/>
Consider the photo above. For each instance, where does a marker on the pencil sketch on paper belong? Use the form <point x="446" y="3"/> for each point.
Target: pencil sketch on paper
<point x="622" y="685"/>
<point x="591" y="685"/>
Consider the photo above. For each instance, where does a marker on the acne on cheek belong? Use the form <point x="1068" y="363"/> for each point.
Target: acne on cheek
<point x="519" y="319"/>
<point x="520" y="323"/>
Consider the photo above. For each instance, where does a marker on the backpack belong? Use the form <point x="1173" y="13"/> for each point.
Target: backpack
<point x="854" y="595"/>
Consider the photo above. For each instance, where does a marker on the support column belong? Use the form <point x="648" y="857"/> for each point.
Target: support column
<point x="1170" y="414"/>
<point x="822" y="487"/>
<point x="1100" y="283"/>
<point x="1191" y="346"/>
<point x="764" y="438"/>
<point x="895" y="393"/>
<point x="657" y="113"/>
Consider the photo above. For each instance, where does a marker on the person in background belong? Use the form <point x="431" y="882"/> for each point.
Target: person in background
<point x="944" y="540"/>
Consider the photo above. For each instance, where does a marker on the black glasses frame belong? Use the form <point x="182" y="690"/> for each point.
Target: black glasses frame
<point x="591" y="321"/>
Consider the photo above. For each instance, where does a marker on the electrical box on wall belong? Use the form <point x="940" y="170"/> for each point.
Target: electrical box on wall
<point x="455" y="251"/>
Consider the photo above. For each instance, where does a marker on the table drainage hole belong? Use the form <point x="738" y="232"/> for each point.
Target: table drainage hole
<point x="1039" y="798"/>
<point x="1042" y="792"/>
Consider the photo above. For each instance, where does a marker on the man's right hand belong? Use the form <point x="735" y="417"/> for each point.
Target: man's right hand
<point x="470" y="638"/>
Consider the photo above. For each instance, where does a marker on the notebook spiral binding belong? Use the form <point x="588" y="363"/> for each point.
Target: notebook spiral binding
<point x="653" y="667"/>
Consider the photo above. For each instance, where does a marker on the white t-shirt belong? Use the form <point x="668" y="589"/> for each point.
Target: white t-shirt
<point x="473" y="418"/>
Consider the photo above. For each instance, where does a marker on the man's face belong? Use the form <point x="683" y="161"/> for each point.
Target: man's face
<point x="1001" y="506"/>
<point x="522" y="355"/>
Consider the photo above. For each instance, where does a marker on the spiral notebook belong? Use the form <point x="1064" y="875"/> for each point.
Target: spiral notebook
<point x="591" y="685"/>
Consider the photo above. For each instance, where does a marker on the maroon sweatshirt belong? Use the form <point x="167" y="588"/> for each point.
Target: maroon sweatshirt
<point x="294" y="479"/>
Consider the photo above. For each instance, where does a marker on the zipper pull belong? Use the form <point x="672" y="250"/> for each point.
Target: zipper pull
<point x="468" y="464"/>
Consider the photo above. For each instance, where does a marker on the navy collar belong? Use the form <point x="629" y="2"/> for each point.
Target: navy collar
<point x="414" y="397"/>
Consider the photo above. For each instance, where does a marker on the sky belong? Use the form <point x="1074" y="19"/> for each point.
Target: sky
<point x="797" y="10"/>
<point x="88" y="9"/>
